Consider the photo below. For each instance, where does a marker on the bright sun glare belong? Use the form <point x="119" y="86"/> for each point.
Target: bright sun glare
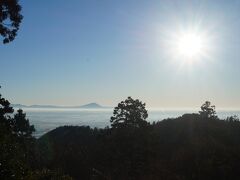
<point x="190" y="45"/>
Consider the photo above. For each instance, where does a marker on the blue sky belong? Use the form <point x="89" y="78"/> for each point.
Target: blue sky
<point x="75" y="52"/>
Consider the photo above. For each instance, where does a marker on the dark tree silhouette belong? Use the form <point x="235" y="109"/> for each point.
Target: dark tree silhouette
<point x="16" y="142"/>
<point x="4" y="107"/>
<point x="208" y="110"/>
<point x="129" y="113"/>
<point x="21" y="126"/>
<point x="233" y="118"/>
<point x="10" y="19"/>
<point x="181" y="148"/>
<point x="18" y="125"/>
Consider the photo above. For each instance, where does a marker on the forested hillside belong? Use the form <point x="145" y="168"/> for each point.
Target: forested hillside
<point x="193" y="146"/>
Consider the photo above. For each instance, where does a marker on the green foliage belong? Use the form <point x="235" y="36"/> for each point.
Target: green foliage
<point x="10" y="19"/>
<point x="129" y="113"/>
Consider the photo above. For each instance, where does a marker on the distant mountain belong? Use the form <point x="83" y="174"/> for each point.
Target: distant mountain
<point x="85" y="106"/>
<point x="91" y="105"/>
<point x="18" y="106"/>
<point x="33" y="106"/>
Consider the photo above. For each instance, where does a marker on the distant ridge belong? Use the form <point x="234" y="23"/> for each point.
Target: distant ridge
<point x="18" y="105"/>
<point x="85" y="106"/>
<point x="91" y="105"/>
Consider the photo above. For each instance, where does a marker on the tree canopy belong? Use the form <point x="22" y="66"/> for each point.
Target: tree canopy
<point x="208" y="110"/>
<point x="21" y="126"/>
<point x="15" y="142"/>
<point x="10" y="19"/>
<point x="129" y="113"/>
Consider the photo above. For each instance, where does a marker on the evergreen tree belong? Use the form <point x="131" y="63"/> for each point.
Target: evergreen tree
<point x="21" y="126"/>
<point x="129" y="113"/>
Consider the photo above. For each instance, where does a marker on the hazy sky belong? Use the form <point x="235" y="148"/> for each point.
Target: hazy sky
<point x="81" y="51"/>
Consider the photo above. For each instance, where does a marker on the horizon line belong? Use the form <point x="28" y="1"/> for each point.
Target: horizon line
<point x="152" y="108"/>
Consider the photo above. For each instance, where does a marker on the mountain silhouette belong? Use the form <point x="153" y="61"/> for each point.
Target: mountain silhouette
<point x="86" y="106"/>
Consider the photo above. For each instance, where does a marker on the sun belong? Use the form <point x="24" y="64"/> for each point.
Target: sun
<point x="190" y="45"/>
